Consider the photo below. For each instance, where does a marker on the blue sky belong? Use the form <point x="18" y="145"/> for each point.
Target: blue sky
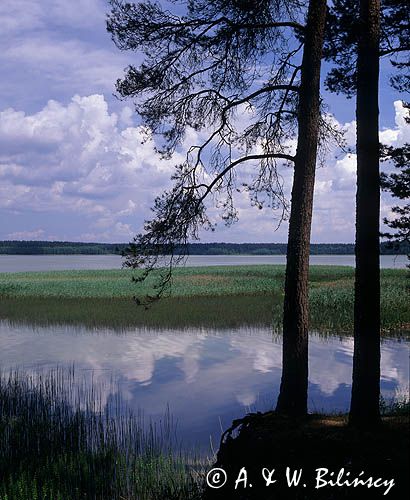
<point x="72" y="166"/>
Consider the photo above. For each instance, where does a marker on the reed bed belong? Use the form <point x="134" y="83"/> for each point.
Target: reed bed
<point x="60" y="441"/>
<point x="222" y="297"/>
<point x="187" y="282"/>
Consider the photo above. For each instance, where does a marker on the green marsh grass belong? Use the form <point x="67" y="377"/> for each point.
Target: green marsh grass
<point x="122" y="314"/>
<point x="58" y="441"/>
<point x="187" y="282"/>
<point x="201" y="296"/>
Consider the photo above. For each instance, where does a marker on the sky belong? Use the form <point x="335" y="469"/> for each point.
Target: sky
<point x="73" y="162"/>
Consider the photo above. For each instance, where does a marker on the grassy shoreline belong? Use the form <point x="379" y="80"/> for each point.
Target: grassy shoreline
<point x="202" y="296"/>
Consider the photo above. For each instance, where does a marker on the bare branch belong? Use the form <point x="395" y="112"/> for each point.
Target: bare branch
<point x="237" y="162"/>
<point x="394" y="50"/>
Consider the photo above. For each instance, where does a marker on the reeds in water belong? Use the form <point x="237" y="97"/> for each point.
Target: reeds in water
<point x="60" y="441"/>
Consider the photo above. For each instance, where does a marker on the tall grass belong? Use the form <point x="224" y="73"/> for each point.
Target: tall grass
<point x="211" y="297"/>
<point x="58" y="441"/>
<point x="398" y="405"/>
<point x="187" y="282"/>
<point x="121" y="314"/>
<point x="196" y="281"/>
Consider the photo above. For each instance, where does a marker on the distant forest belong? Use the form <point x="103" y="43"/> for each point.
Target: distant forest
<point x="70" y="248"/>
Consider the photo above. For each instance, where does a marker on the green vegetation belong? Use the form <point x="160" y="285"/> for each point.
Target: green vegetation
<point x="213" y="296"/>
<point x="122" y="314"/>
<point x="70" y="247"/>
<point x="59" y="441"/>
<point x="187" y="282"/>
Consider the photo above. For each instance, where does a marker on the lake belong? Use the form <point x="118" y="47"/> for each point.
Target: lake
<point x="206" y="377"/>
<point x="24" y="263"/>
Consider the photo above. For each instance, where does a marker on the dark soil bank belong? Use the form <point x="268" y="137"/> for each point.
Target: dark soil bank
<point x="332" y="456"/>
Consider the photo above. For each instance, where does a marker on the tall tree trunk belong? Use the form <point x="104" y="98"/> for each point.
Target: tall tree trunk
<point x="364" y="407"/>
<point x="293" y="390"/>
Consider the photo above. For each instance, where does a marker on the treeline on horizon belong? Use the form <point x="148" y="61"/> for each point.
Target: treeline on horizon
<point x="73" y="248"/>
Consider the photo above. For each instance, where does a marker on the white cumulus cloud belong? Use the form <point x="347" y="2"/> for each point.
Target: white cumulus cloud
<point x="81" y="161"/>
<point x="80" y="158"/>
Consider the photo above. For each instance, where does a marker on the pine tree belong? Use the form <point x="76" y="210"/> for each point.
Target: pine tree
<point x="203" y="63"/>
<point x="356" y="40"/>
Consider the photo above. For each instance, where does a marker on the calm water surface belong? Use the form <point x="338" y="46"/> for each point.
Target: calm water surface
<point x="23" y="263"/>
<point x="205" y="377"/>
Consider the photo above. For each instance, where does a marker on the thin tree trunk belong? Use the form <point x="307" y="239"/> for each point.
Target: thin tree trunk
<point x="293" y="390"/>
<point x="364" y="407"/>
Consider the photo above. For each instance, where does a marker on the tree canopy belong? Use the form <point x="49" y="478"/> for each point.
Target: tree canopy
<point x="229" y="71"/>
<point x="343" y="30"/>
<point x="398" y="184"/>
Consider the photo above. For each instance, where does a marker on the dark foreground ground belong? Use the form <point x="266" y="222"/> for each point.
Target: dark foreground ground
<point x="267" y="442"/>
